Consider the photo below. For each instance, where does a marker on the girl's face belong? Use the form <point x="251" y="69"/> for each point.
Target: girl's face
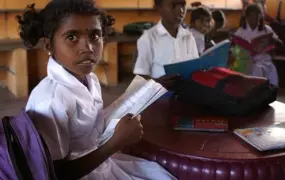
<point x="203" y="25"/>
<point x="253" y="19"/>
<point x="78" y="44"/>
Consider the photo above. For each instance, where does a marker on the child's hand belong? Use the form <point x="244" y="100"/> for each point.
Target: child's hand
<point x="169" y="81"/>
<point x="128" y="131"/>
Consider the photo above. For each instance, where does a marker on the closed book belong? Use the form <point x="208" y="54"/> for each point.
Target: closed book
<point x="264" y="138"/>
<point x="209" y="124"/>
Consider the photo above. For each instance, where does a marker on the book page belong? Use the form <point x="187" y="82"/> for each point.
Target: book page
<point x="215" y="47"/>
<point x="136" y="84"/>
<point x="137" y="96"/>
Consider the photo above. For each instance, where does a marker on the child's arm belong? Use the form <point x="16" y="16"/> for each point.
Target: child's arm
<point x="52" y="119"/>
<point x="144" y="59"/>
<point x="144" y="62"/>
<point x="127" y="131"/>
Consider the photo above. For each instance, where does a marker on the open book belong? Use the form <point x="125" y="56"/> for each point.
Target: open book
<point x="264" y="41"/>
<point x="139" y="95"/>
<point x="264" y="138"/>
<point x="212" y="57"/>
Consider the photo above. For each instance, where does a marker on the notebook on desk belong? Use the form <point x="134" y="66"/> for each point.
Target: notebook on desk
<point x="264" y="138"/>
<point x="200" y="123"/>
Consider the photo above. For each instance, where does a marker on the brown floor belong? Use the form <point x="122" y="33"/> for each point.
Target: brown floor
<point x="9" y="105"/>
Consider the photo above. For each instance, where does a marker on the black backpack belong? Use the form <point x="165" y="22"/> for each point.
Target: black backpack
<point x="227" y="92"/>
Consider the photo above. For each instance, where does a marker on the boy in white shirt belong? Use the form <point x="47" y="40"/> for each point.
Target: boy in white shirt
<point x="200" y="25"/>
<point x="165" y="43"/>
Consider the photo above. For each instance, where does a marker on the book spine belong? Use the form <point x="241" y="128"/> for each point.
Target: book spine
<point x="199" y="124"/>
<point x="210" y="124"/>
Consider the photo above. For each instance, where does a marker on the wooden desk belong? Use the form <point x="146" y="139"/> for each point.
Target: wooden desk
<point x="197" y="155"/>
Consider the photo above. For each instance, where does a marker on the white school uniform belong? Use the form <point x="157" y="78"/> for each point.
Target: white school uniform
<point x="200" y="40"/>
<point x="69" y="116"/>
<point x="262" y="63"/>
<point x="156" y="47"/>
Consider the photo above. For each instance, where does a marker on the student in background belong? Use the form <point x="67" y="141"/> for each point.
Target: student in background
<point x="219" y="21"/>
<point x="66" y="106"/>
<point x="200" y="24"/>
<point x="165" y="43"/>
<point x="252" y="26"/>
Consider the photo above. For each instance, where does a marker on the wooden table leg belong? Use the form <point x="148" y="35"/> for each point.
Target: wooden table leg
<point x="17" y="75"/>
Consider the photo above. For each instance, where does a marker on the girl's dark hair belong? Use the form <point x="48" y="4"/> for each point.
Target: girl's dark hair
<point x="158" y="2"/>
<point x="200" y="12"/>
<point x="252" y="8"/>
<point x="35" y="25"/>
<point x="220" y="17"/>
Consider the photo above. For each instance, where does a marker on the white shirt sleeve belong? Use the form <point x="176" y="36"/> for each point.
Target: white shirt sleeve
<point x="270" y="30"/>
<point x="51" y="121"/>
<point x="194" y="50"/>
<point x="144" y="60"/>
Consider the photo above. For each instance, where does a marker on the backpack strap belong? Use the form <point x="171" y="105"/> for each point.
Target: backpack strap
<point x="49" y="160"/>
<point x="16" y="152"/>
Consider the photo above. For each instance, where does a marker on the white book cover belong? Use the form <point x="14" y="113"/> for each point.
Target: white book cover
<point x="264" y="138"/>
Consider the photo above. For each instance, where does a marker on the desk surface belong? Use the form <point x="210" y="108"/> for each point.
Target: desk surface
<point x="203" y="144"/>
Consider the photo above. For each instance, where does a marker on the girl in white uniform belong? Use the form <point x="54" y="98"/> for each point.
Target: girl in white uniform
<point x="66" y="106"/>
<point x="252" y="26"/>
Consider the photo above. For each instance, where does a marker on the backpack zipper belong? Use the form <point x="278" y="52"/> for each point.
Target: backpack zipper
<point x="10" y="140"/>
<point x="50" y="166"/>
<point x="26" y="174"/>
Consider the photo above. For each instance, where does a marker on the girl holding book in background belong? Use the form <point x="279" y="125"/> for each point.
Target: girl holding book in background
<point x="66" y="106"/>
<point x="200" y="24"/>
<point x="252" y="26"/>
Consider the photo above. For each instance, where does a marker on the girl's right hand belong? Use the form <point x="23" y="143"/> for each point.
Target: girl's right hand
<point x="128" y="131"/>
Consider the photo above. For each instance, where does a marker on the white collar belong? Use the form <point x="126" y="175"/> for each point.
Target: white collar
<point x="163" y="31"/>
<point x="82" y="94"/>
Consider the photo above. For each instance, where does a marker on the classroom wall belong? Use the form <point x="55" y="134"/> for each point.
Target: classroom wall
<point x="124" y="11"/>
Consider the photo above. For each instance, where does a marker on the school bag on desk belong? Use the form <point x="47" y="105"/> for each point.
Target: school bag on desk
<point x="137" y="28"/>
<point x="23" y="153"/>
<point x="227" y="92"/>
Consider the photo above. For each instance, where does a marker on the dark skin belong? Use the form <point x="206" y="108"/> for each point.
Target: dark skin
<point x="172" y="13"/>
<point x="203" y="25"/>
<point x="253" y="20"/>
<point x="77" y="46"/>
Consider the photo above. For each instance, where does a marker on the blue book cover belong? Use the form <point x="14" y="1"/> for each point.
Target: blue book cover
<point x="217" y="56"/>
